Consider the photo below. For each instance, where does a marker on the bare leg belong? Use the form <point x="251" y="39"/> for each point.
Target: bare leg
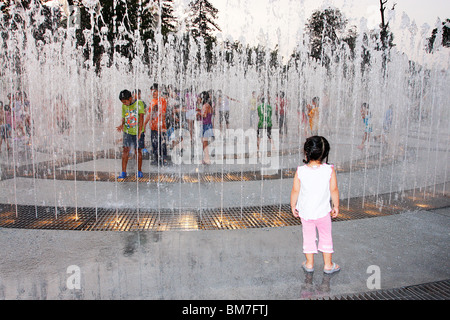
<point x="309" y="260"/>
<point x="139" y="159"/>
<point x="205" y="152"/>
<point x="125" y="152"/>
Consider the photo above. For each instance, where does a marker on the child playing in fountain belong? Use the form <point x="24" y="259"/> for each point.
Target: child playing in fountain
<point x="314" y="184"/>
<point x="132" y="120"/>
<point x="205" y="114"/>
<point x="367" y="119"/>
<point x="5" y="126"/>
<point x="265" y="122"/>
<point x="313" y="115"/>
<point x="157" y="117"/>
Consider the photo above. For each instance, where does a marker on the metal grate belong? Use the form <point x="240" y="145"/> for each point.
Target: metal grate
<point x="438" y="290"/>
<point x="52" y="170"/>
<point x="102" y="219"/>
<point x="132" y="219"/>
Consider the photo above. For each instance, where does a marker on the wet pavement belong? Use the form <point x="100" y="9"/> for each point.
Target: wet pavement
<point x="394" y="251"/>
<point x="229" y="238"/>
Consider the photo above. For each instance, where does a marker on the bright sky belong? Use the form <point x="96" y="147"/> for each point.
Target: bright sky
<point x="279" y="21"/>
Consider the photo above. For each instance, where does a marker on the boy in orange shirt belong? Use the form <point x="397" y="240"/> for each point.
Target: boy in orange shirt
<point x="157" y="117"/>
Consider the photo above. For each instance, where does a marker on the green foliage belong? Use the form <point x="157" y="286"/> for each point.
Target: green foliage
<point x="123" y="26"/>
<point x="445" y="36"/>
<point x="324" y="28"/>
<point x="202" y="16"/>
<point x="202" y="25"/>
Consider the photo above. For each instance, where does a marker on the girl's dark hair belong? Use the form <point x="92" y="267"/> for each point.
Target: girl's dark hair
<point x="316" y="148"/>
<point x="205" y="97"/>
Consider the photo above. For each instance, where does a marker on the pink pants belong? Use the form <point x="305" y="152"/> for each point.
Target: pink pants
<point x="323" y="226"/>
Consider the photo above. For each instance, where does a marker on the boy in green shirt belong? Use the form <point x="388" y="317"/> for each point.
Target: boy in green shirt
<point x="265" y="120"/>
<point x="132" y="124"/>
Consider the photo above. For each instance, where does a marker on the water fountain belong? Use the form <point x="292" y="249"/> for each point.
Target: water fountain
<point x="63" y="163"/>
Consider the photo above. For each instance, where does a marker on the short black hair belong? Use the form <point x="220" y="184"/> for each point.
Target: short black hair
<point x="124" y="95"/>
<point x="316" y="148"/>
<point x="316" y="100"/>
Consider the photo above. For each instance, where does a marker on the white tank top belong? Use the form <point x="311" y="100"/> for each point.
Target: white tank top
<point x="314" y="197"/>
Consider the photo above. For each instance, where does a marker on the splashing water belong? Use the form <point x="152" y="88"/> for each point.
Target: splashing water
<point x="65" y="150"/>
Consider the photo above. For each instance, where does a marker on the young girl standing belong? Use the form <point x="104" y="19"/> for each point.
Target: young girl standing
<point x="314" y="184"/>
<point x="206" y="115"/>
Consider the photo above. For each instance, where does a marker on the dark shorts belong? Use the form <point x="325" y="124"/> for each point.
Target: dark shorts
<point x="269" y="132"/>
<point x="129" y="141"/>
<point x="208" y="131"/>
<point x="5" y="131"/>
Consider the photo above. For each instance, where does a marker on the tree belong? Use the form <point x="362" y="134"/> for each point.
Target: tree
<point x="202" y="16"/>
<point x="324" y="28"/>
<point x="445" y="36"/>
<point x="386" y="36"/>
<point x="202" y="24"/>
<point x="21" y="14"/>
<point x="119" y="26"/>
<point x="21" y="22"/>
<point x="168" y="20"/>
